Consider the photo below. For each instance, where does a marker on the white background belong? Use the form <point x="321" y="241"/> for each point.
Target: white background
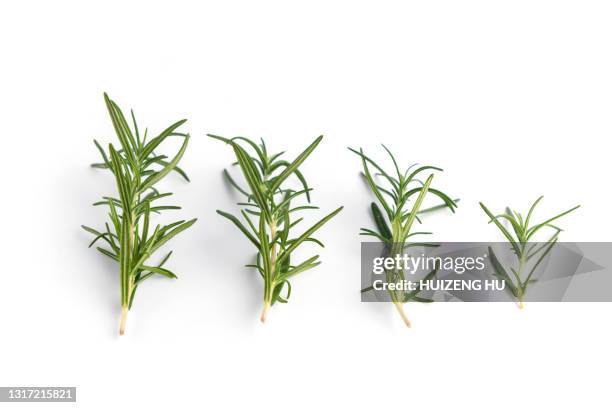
<point x="513" y="99"/>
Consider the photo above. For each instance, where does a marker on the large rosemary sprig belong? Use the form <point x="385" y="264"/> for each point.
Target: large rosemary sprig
<point x="130" y="237"/>
<point x="520" y="236"/>
<point x="402" y="200"/>
<point x="270" y="203"/>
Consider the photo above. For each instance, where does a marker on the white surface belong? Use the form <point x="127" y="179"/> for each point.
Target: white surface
<point x="511" y="98"/>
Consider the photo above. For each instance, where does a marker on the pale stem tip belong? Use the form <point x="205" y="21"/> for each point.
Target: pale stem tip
<point x="124" y="312"/>
<point x="264" y="312"/>
<point x="400" y="309"/>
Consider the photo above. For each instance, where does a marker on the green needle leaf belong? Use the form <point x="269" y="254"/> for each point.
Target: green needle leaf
<point x="381" y="224"/>
<point x="158" y="270"/>
<point x="296" y="163"/>
<point x="308" y="233"/>
<point x="155" y="177"/>
<point x="503" y="229"/>
<point x="240" y="226"/>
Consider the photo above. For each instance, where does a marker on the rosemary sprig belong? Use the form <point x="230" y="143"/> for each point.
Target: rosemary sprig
<point x="270" y="203"/>
<point x="398" y="191"/>
<point x="130" y="237"/>
<point x="520" y="236"/>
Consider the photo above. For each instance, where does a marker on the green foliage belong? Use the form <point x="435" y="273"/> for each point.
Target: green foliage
<point x="520" y="236"/>
<point x="401" y="196"/>
<point x="129" y="236"/>
<point x="268" y="211"/>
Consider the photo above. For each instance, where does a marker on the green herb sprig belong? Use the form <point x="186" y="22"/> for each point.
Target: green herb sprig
<point x="130" y="237"/>
<point x="401" y="198"/>
<point x="520" y="236"/>
<point x="268" y="214"/>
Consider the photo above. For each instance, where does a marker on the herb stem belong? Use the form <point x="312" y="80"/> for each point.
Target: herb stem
<point x="269" y="283"/>
<point x="264" y="311"/>
<point x="520" y="285"/>
<point x="124" y="312"/>
<point x="273" y="249"/>
<point x="400" y="308"/>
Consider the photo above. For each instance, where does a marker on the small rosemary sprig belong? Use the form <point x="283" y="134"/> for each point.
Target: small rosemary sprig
<point x="270" y="202"/>
<point x="394" y="198"/>
<point x="520" y="237"/>
<point x="137" y="168"/>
